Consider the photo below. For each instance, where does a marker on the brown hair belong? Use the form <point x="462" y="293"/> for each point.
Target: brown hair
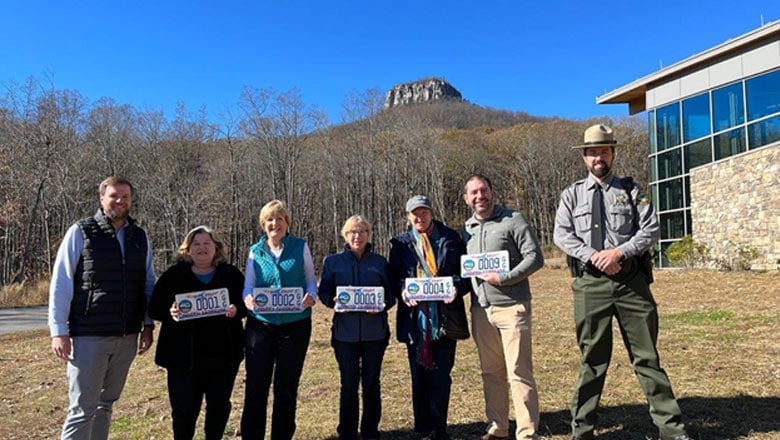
<point x="114" y="181"/>
<point x="477" y="177"/>
<point x="220" y="252"/>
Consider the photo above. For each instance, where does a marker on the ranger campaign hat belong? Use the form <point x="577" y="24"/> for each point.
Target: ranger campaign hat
<point x="598" y="135"/>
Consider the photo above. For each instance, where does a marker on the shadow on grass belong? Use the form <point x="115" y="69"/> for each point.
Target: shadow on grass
<point x="710" y="418"/>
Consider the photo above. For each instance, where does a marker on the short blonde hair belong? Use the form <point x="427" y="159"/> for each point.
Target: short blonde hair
<point x="220" y="248"/>
<point x="352" y="222"/>
<point x="272" y="209"/>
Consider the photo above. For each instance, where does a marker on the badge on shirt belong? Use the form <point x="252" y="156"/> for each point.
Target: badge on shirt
<point x="201" y="304"/>
<point x="278" y="300"/>
<point x="621" y="198"/>
<point x="360" y="299"/>
<point x="643" y="199"/>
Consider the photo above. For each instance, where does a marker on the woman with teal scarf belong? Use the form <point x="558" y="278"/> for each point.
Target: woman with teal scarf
<point x="430" y="329"/>
<point x="276" y="343"/>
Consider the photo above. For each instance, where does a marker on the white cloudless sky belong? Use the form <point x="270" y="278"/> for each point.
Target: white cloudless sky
<point x="547" y="58"/>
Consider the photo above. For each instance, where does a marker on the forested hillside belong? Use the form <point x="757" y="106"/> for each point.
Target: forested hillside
<point x="56" y="146"/>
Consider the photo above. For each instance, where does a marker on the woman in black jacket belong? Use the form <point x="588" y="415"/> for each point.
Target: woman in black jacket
<point x="201" y="355"/>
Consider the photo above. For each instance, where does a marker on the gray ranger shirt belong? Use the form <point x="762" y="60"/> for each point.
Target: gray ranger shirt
<point x="632" y="230"/>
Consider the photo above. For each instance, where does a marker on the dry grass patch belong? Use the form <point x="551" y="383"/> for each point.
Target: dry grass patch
<point x="719" y="343"/>
<point x="32" y="293"/>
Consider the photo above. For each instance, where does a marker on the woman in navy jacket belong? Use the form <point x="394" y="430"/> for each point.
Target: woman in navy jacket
<point x="359" y="339"/>
<point x="431" y="352"/>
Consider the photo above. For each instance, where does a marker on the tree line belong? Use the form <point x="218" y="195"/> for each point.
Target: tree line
<point x="56" y="146"/>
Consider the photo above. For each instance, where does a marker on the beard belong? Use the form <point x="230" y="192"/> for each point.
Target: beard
<point x="484" y="208"/>
<point x="599" y="172"/>
<point x="117" y="214"/>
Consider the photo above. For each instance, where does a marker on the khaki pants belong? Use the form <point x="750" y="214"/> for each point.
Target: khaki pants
<point x="503" y="338"/>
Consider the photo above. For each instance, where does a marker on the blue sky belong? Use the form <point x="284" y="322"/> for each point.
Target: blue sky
<point x="547" y="58"/>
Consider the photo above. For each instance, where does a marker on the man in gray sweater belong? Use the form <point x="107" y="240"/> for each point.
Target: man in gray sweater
<point x="501" y="311"/>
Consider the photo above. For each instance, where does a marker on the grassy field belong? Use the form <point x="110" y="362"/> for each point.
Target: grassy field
<point x="719" y="343"/>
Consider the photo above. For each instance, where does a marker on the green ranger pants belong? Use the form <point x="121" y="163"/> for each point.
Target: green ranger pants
<point x="596" y="301"/>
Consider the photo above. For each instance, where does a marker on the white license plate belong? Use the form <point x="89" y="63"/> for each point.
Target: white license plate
<point x="278" y="300"/>
<point x="473" y="265"/>
<point x="430" y="289"/>
<point x="194" y="305"/>
<point x="360" y="299"/>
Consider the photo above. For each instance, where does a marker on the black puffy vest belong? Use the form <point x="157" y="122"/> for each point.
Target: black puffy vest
<point x="108" y="291"/>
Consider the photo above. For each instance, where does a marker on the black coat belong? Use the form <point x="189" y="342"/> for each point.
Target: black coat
<point x="210" y="343"/>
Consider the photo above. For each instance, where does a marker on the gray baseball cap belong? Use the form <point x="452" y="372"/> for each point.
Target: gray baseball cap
<point x="418" y="201"/>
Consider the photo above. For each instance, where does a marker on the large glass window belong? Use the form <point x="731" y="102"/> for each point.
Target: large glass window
<point x="664" y="259"/>
<point x="651" y="131"/>
<point x="693" y="132"/>
<point x="763" y="95"/>
<point x="653" y="169"/>
<point x="728" y="107"/>
<point x="668" y="126"/>
<point x="729" y="143"/>
<point x="764" y="132"/>
<point x="672" y="225"/>
<point x="654" y="195"/>
<point x="696" y="117"/>
<point x="670" y="195"/>
<point x="669" y="164"/>
<point x="697" y="153"/>
<point x="688" y="223"/>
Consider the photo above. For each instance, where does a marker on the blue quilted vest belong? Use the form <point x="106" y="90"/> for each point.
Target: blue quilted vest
<point x="287" y="271"/>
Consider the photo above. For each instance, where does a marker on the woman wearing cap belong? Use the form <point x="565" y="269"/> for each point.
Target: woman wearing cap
<point x="359" y="339"/>
<point x="430" y="329"/>
<point x="276" y="343"/>
<point x="201" y="355"/>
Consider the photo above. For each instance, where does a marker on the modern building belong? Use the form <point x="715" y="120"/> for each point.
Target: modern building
<point x="714" y="131"/>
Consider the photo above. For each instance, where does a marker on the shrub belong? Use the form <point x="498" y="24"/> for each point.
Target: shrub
<point x="687" y="253"/>
<point x="738" y="256"/>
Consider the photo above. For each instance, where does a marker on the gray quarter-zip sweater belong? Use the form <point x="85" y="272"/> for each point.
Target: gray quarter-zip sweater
<point x="504" y="230"/>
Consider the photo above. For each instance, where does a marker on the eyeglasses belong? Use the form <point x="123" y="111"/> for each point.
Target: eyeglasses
<point x="355" y="232"/>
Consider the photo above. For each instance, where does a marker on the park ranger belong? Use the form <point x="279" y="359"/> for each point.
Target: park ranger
<point x="606" y="225"/>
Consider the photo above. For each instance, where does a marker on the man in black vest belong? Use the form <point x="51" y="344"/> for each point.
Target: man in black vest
<point x="101" y="282"/>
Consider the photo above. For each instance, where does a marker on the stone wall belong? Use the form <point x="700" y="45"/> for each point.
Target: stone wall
<point x="737" y="202"/>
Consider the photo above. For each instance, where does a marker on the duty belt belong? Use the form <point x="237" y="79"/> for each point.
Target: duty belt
<point x="628" y="267"/>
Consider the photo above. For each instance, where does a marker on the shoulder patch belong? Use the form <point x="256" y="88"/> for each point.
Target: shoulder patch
<point x="643" y="199"/>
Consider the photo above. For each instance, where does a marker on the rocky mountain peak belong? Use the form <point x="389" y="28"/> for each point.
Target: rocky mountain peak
<point x="424" y="90"/>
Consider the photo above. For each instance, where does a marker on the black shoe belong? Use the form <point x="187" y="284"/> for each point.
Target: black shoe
<point x="490" y="436"/>
<point x="682" y="436"/>
<point x="441" y="435"/>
